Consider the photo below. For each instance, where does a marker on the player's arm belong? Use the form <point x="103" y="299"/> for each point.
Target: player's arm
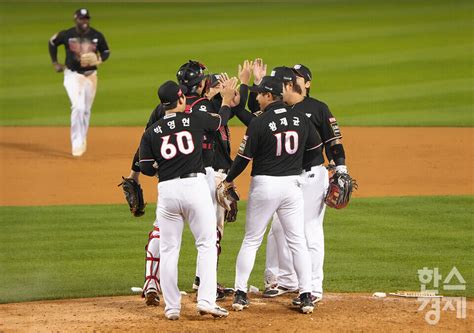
<point x="147" y="159"/>
<point x="103" y="48"/>
<point x="53" y="43"/>
<point x="245" y="154"/>
<point x="314" y="144"/>
<point x="332" y="139"/>
<point x="156" y="115"/>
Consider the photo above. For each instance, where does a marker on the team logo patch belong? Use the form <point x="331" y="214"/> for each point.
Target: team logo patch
<point x="203" y="108"/>
<point x="335" y="128"/>
<point x="242" y="145"/>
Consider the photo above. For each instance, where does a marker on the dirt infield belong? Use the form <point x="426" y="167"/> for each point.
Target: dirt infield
<point x="335" y="313"/>
<point x="38" y="169"/>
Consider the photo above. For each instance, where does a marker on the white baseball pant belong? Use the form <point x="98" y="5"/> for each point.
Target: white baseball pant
<point x="315" y="185"/>
<point x="268" y="195"/>
<point x="81" y="90"/>
<point x="189" y="200"/>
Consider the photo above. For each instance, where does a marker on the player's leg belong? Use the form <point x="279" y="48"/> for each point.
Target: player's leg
<point x="220" y="219"/>
<point x="171" y="229"/>
<point x="314" y="190"/>
<point x="291" y="213"/>
<point x="198" y="211"/>
<point x="151" y="287"/>
<point x="287" y="280"/>
<point x="212" y="189"/>
<point x="271" y="261"/>
<point x="90" y="91"/>
<point x="74" y="85"/>
<point x="262" y="203"/>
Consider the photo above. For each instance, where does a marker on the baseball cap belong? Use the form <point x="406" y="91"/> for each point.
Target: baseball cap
<point x="214" y="80"/>
<point x="82" y="13"/>
<point x="303" y="71"/>
<point x="283" y="73"/>
<point x="169" y="92"/>
<point x="270" y="84"/>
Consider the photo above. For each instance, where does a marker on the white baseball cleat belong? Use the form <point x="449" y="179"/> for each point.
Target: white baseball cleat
<point x="216" y="311"/>
<point x="172" y="315"/>
<point x="79" y="151"/>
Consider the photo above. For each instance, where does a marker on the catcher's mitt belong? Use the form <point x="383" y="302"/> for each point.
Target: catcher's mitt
<point x="340" y="189"/>
<point x="90" y="59"/>
<point x="226" y="194"/>
<point x="231" y="214"/>
<point x="134" y="196"/>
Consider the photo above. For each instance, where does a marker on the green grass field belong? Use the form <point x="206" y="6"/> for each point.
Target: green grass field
<point x="376" y="63"/>
<point x="374" y="245"/>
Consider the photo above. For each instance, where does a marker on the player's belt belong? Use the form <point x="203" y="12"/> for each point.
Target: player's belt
<point x="189" y="175"/>
<point x="307" y="169"/>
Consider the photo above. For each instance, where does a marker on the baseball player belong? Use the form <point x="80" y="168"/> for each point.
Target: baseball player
<point x="86" y="48"/>
<point x="275" y="141"/>
<point x="192" y="74"/>
<point x="174" y="144"/>
<point x="315" y="185"/>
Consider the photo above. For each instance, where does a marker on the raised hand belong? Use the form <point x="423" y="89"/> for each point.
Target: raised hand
<point x="245" y="71"/>
<point x="259" y="70"/>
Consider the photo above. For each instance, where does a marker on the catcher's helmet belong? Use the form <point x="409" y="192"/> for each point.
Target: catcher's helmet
<point x="191" y="73"/>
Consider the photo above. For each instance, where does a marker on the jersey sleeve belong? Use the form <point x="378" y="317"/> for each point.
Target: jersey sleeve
<point x="313" y="140"/>
<point x="53" y="43"/>
<point x="329" y="128"/>
<point x="103" y="48"/>
<point x="248" y="146"/>
<point x="208" y="121"/>
<point x="146" y="155"/>
<point x="156" y="115"/>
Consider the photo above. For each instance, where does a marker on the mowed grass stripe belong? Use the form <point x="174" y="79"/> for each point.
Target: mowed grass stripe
<point x="375" y="244"/>
<point x="353" y="49"/>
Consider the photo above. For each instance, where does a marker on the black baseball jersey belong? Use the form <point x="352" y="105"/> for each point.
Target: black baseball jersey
<point x="175" y="142"/>
<point x="276" y="141"/>
<point x="76" y="44"/>
<point x="325" y="123"/>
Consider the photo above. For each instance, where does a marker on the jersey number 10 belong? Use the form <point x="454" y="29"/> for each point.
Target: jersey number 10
<point x="184" y="141"/>
<point x="291" y="142"/>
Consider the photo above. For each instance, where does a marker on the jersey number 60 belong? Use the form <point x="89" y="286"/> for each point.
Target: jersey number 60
<point x="184" y="141"/>
<point x="291" y="142"/>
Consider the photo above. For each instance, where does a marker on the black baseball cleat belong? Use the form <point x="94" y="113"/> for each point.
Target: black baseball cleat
<point x="306" y="305"/>
<point x="220" y="293"/>
<point x="314" y="299"/>
<point x="240" y="301"/>
<point x="152" y="298"/>
<point x="196" y="283"/>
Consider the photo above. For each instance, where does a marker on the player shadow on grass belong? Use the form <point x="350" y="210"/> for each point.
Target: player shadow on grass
<point x="35" y="149"/>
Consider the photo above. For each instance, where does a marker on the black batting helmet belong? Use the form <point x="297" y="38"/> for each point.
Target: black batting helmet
<point x="191" y="73"/>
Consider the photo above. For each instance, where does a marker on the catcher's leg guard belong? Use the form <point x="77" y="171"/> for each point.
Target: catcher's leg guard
<point x="152" y="263"/>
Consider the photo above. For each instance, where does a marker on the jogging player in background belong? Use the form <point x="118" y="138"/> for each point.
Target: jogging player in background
<point x="86" y="49"/>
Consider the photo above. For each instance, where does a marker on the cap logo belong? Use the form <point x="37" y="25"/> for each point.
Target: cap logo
<point x="297" y="67"/>
<point x="272" y="73"/>
<point x="83" y="11"/>
<point x="268" y="88"/>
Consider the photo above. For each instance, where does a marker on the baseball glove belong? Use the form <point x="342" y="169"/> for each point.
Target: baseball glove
<point x="340" y="189"/>
<point x="90" y="59"/>
<point x="134" y="196"/>
<point x="226" y="194"/>
<point x="231" y="214"/>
